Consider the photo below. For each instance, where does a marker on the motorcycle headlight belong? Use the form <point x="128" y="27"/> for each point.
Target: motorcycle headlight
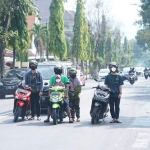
<point x="1" y="83"/>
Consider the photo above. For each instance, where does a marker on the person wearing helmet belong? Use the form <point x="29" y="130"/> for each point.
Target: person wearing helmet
<point x="146" y="69"/>
<point x="133" y="71"/>
<point x="114" y="82"/>
<point x="74" y="94"/>
<point x="34" y="80"/>
<point x="58" y="71"/>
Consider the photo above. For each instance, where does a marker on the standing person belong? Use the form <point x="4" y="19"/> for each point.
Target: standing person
<point x="34" y="80"/>
<point x="74" y="94"/>
<point x="65" y="81"/>
<point x="114" y="100"/>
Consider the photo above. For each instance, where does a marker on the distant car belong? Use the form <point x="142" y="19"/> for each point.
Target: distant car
<point x="103" y="73"/>
<point x="10" y="82"/>
<point x="126" y="71"/>
<point x="140" y="71"/>
<point x="80" y="75"/>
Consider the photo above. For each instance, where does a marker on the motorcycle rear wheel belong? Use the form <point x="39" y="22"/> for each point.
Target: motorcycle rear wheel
<point x="17" y="113"/>
<point x="55" y="119"/>
<point x="95" y="115"/>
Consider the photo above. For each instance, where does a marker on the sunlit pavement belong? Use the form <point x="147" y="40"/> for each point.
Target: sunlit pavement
<point x="132" y="134"/>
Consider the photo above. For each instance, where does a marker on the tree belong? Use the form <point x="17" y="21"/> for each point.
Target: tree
<point x="78" y="45"/>
<point x="18" y="25"/>
<point x="145" y="12"/>
<point x="39" y="31"/>
<point x="7" y="11"/>
<point x="57" y="43"/>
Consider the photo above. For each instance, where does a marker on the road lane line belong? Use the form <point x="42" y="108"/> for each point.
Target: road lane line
<point x="142" y="141"/>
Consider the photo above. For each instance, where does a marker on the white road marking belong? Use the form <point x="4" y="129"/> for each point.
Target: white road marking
<point x="142" y="141"/>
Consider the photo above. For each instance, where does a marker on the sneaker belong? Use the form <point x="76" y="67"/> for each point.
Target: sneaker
<point x="78" y="120"/>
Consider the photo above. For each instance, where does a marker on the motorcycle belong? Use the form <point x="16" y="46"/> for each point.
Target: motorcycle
<point x="57" y="103"/>
<point x="99" y="107"/>
<point x="149" y="72"/>
<point x="21" y="101"/>
<point x="131" y="78"/>
<point x="146" y="74"/>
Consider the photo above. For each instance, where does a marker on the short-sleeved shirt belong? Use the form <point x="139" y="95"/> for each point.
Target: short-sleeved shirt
<point x="111" y="79"/>
<point x="64" y="79"/>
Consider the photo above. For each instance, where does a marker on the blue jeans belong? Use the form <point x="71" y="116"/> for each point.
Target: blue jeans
<point x="114" y="103"/>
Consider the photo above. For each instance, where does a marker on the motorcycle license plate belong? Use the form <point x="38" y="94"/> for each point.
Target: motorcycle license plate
<point x="10" y="87"/>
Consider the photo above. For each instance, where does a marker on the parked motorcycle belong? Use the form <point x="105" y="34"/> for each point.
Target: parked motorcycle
<point x="57" y="103"/>
<point x="99" y="107"/>
<point x="146" y="74"/>
<point x="149" y="72"/>
<point x="21" y="101"/>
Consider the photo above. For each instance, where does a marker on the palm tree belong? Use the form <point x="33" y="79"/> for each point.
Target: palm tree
<point x="38" y="31"/>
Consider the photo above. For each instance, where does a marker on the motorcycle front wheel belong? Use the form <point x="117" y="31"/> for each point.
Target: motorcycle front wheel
<point x="17" y="113"/>
<point x="95" y="115"/>
<point x="55" y="119"/>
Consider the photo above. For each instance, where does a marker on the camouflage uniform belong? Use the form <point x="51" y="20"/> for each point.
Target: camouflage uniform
<point x="74" y="97"/>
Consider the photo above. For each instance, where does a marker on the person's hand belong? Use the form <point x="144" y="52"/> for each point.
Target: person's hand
<point x="119" y="96"/>
<point x="40" y="93"/>
<point x="66" y="96"/>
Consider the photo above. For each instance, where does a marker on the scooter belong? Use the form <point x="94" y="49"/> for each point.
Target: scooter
<point x="21" y="101"/>
<point x="57" y="103"/>
<point x="131" y="78"/>
<point x="99" y="108"/>
<point x="146" y="74"/>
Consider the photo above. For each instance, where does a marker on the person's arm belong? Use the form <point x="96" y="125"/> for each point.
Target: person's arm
<point x="120" y="91"/>
<point x="41" y="86"/>
<point x="106" y="81"/>
<point x="67" y="89"/>
<point x="120" y="87"/>
<point x="26" y="79"/>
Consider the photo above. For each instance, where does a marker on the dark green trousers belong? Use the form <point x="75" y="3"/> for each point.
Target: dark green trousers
<point x="75" y="108"/>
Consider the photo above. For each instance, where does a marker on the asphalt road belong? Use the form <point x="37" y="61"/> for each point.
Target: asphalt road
<point x="132" y="134"/>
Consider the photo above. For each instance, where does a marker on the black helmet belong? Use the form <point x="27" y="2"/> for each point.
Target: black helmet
<point x="113" y="64"/>
<point x="131" y="68"/>
<point x="33" y="62"/>
<point x="58" y="69"/>
<point x="72" y="71"/>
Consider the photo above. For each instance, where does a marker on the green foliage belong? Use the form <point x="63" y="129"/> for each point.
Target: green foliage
<point x="39" y="32"/>
<point x="78" y="43"/>
<point x="57" y="42"/>
<point x="145" y="12"/>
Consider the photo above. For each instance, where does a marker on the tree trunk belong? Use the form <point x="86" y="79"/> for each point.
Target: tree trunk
<point x="14" y="56"/>
<point x="82" y="65"/>
<point x="95" y="70"/>
<point x="2" y="61"/>
<point x="77" y="61"/>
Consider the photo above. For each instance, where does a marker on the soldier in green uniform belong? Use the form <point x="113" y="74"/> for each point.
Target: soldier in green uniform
<point x="74" y="94"/>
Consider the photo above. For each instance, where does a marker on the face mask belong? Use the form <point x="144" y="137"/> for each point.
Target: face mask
<point x="33" y="67"/>
<point x="73" y="76"/>
<point x="58" y="80"/>
<point x="113" y="69"/>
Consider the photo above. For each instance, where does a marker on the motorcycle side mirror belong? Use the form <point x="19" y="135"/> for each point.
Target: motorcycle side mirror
<point x="19" y="77"/>
<point x="45" y="83"/>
